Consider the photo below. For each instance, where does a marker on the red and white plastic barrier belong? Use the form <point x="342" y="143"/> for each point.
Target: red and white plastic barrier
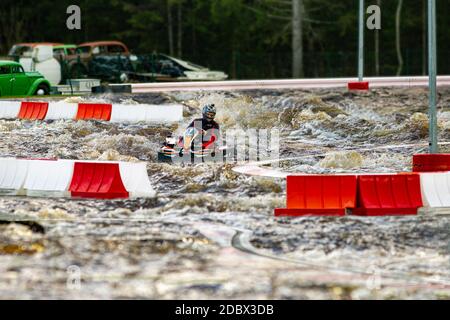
<point x="122" y="113"/>
<point x="365" y="195"/>
<point x="73" y="178"/>
<point x="284" y="84"/>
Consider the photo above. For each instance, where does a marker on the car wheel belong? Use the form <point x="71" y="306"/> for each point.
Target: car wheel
<point x="42" y="90"/>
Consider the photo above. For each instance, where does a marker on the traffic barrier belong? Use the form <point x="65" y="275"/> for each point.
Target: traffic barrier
<point x="13" y="173"/>
<point x="228" y="85"/>
<point x="9" y="109"/>
<point x="380" y="195"/>
<point x="358" y="86"/>
<point x="62" y="111"/>
<point x="319" y="195"/>
<point x="33" y="110"/>
<point x="48" y="178"/>
<point x="97" y="180"/>
<point x="435" y="189"/>
<point x="147" y="113"/>
<point x="76" y="178"/>
<point x="431" y="162"/>
<point x="94" y="111"/>
<point x="90" y="111"/>
<point x="135" y="179"/>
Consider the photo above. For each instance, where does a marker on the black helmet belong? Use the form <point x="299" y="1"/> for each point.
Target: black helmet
<point x="209" y="112"/>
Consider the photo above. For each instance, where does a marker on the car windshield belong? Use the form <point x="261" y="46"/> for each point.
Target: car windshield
<point x="19" y="50"/>
<point x="71" y="51"/>
<point x="115" y="49"/>
<point x="83" y="49"/>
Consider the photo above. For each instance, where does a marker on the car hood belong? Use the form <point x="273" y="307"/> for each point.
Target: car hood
<point x="34" y="75"/>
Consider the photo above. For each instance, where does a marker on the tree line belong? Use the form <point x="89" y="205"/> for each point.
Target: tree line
<point x="245" y="38"/>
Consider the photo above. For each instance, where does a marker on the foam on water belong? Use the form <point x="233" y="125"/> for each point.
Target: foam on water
<point x="120" y="243"/>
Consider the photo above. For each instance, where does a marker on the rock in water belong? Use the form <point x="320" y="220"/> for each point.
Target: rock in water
<point x="342" y="160"/>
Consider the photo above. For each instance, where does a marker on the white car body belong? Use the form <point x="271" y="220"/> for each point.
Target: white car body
<point x="199" y="73"/>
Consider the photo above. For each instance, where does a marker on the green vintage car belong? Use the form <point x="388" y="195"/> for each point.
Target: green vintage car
<point x="15" y="82"/>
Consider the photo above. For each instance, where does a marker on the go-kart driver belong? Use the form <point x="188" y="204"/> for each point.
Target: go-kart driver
<point x="206" y="125"/>
<point x="210" y="129"/>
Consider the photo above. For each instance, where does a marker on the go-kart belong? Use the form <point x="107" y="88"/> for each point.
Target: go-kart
<point x="191" y="148"/>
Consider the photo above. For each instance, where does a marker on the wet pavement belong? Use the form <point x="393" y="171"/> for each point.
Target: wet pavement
<point x="210" y="232"/>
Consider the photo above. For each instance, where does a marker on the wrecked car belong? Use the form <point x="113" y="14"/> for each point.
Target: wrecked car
<point x="78" y="64"/>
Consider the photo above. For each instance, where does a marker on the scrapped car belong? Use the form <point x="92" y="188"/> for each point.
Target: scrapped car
<point x="193" y="71"/>
<point x="78" y="63"/>
<point x="112" y="68"/>
<point x="166" y="68"/>
<point x="64" y="50"/>
<point x="23" y="49"/>
<point x="14" y="81"/>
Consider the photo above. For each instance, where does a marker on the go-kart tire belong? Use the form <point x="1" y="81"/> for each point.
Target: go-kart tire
<point x="163" y="158"/>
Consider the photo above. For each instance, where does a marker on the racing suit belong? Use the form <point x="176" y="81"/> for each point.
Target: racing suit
<point x="211" y="130"/>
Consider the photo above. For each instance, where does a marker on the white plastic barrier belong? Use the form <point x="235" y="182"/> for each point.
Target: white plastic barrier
<point x="135" y="179"/>
<point x="147" y="113"/>
<point x="12" y="176"/>
<point x="9" y="109"/>
<point x="127" y="113"/>
<point x="52" y="178"/>
<point x="435" y="189"/>
<point x="58" y="111"/>
<point x="49" y="178"/>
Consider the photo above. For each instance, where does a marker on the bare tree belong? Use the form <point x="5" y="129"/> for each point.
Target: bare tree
<point x="170" y="26"/>
<point x="398" y="38"/>
<point x="297" y="39"/>
<point x="180" y="29"/>
<point x="292" y="12"/>
<point x="424" y="38"/>
<point x="12" y="26"/>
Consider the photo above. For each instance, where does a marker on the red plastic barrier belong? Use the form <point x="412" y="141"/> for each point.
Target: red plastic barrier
<point x="97" y="180"/>
<point x="380" y="195"/>
<point x="431" y="162"/>
<point x="33" y="110"/>
<point x="358" y="86"/>
<point x="91" y="111"/>
<point x="319" y="195"/>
